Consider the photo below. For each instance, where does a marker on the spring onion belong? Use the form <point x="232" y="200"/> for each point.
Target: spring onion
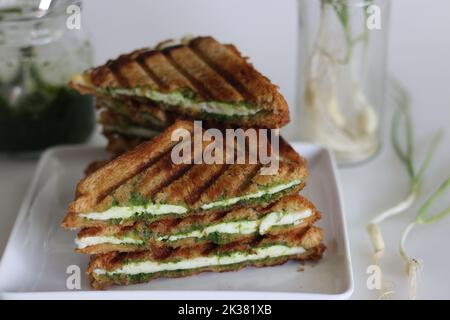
<point x="413" y="265"/>
<point x="406" y="156"/>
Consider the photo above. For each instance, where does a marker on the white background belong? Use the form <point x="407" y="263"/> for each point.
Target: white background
<point x="266" y="30"/>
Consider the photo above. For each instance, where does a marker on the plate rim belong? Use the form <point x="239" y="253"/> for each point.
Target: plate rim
<point x="165" y="294"/>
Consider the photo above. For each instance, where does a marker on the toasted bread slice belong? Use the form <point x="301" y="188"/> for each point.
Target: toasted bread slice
<point x="200" y="78"/>
<point x="245" y="224"/>
<point x="139" y="267"/>
<point x="146" y="184"/>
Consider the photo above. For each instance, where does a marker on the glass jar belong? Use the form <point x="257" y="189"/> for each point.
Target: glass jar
<point x="39" y="53"/>
<point x="342" y="52"/>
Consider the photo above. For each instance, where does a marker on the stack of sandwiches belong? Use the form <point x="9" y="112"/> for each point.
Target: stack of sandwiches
<point x="143" y="215"/>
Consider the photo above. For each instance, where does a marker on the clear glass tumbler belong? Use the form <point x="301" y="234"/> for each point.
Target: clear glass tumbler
<point x="342" y="61"/>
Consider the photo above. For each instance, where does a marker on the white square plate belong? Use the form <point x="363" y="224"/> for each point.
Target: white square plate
<point x="35" y="262"/>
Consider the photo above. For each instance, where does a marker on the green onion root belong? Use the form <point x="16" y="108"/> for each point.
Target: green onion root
<point x="413" y="266"/>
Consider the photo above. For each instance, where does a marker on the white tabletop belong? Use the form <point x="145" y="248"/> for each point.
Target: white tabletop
<point x="418" y="56"/>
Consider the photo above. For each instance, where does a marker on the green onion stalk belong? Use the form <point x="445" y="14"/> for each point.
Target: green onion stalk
<point x="406" y="156"/>
<point x="413" y="265"/>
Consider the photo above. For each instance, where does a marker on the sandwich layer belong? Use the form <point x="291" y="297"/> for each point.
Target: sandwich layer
<point x="127" y="268"/>
<point x="152" y="210"/>
<point x="126" y="123"/>
<point x="113" y="123"/>
<point x="199" y="78"/>
<point x="220" y="228"/>
<point x="136" y="112"/>
<point x="145" y="184"/>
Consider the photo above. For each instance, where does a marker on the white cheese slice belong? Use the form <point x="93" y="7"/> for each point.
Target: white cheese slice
<point x="281" y="218"/>
<point x="258" y="194"/>
<point x="94" y="240"/>
<point x="145" y="267"/>
<point x="122" y="212"/>
<point x="176" y="98"/>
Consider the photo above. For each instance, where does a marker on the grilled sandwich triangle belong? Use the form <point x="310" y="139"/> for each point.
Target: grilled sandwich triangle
<point x="199" y="78"/>
<point x="145" y="184"/>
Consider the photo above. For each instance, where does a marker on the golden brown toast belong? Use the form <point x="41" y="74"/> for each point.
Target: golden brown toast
<point x="104" y="270"/>
<point x="148" y="174"/>
<point x="191" y="78"/>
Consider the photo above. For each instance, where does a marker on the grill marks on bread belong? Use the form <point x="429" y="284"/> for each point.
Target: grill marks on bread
<point x="149" y="172"/>
<point x="205" y="68"/>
